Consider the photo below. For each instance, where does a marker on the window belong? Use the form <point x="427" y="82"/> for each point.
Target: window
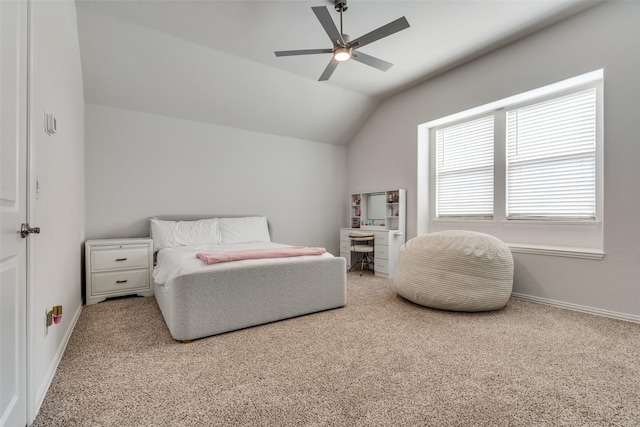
<point x="551" y="158"/>
<point x="464" y="164"/>
<point x="527" y="169"/>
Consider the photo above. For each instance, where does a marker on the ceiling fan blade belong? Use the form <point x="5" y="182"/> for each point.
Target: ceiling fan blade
<point x="372" y="61"/>
<point x="333" y="64"/>
<point x="322" y="13"/>
<point x="302" y="52"/>
<point x="384" y="31"/>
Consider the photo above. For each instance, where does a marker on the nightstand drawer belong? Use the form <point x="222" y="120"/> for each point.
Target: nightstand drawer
<point x="118" y="281"/>
<point x="118" y="258"/>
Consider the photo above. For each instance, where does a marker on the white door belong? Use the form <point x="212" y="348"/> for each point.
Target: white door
<point x="13" y="212"/>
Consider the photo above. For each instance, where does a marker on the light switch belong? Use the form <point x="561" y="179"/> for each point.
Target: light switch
<point x="49" y="123"/>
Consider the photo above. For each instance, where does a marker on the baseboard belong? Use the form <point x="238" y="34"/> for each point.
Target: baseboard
<point x="580" y="308"/>
<point x="53" y="367"/>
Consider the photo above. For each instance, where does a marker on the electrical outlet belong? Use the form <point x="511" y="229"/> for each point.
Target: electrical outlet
<point x="48" y="321"/>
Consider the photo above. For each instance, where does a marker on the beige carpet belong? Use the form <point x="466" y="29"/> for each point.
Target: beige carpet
<point x="379" y="361"/>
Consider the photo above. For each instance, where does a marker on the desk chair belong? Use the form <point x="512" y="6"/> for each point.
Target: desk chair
<point x="363" y="243"/>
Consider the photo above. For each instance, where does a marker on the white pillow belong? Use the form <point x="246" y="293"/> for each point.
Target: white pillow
<point x="244" y="230"/>
<point x="167" y="234"/>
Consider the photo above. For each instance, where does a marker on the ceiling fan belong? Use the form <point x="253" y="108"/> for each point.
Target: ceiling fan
<point x="343" y="49"/>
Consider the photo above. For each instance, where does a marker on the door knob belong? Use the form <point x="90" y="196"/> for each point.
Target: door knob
<point x="25" y="230"/>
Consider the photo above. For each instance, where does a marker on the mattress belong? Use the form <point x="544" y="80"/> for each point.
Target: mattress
<point x="199" y="300"/>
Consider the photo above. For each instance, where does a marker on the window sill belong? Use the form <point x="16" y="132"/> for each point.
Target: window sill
<point x="471" y="221"/>
<point x="519" y="222"/>
<point x="537" y="223"/>
<point x="583" y="253"/>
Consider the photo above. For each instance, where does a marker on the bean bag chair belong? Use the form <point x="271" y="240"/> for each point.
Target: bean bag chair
<point x="455" y="270"/>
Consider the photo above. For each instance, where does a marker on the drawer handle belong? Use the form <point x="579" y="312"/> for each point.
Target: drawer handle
<point x="121" y="281"/>
<point x="121" y="259"/>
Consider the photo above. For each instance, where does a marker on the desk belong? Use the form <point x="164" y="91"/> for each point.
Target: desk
<point x="387" y="247"/>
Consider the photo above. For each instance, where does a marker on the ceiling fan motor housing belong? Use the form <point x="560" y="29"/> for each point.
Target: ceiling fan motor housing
<point x="341" y="5"/>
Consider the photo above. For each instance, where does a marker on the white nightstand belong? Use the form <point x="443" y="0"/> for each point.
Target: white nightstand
<point x="116" y="267"/>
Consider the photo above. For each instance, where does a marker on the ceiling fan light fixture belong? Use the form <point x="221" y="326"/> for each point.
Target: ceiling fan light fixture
<point x="342" y="54"/>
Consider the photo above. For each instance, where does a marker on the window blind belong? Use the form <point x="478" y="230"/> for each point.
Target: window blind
<point x="464" y="169"/>
<point x="551" y="158"/>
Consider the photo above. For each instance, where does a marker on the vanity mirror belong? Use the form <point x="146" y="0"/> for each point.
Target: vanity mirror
<point x="376" y="207"/>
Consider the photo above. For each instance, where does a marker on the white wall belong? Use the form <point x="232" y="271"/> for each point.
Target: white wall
<point x="137" y="68"/>
<point x="57" y="164"/>
<point x="140" y="165"/>
<point x="607" y="36"/>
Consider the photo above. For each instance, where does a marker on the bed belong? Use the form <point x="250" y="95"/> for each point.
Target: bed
<point x="199" y="299"/>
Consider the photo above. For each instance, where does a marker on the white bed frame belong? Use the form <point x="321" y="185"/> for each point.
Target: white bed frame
<point x="210" y="303"/>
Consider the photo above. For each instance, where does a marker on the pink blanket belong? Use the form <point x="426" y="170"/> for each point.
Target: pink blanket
<point x="289" y="251"/>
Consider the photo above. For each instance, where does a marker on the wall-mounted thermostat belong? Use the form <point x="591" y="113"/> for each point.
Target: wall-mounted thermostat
<point x="49" y="123"/>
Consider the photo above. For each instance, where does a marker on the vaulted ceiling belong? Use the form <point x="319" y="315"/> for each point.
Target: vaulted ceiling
<point x="214" y="62"/>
